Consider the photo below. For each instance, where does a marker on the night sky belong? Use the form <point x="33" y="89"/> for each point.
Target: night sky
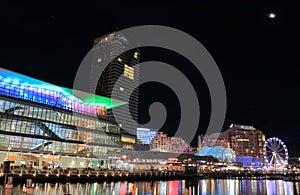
<point x="257" y="55"/>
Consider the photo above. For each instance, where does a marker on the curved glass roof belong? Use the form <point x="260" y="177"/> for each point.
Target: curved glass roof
<point x="218" y="152"/>
<point x="24" y="87"/>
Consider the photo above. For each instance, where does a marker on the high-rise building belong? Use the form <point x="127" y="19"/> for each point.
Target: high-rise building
<point x="246" y="140"/>
<point x="243" y="139"/>
<point x="109" y="62"/>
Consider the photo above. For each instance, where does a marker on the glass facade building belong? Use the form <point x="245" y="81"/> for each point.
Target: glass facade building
<point x="40" y="118"/>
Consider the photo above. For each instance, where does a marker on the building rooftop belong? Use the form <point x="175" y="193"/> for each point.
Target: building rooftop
<point x="244" y="127"/>
<point x="24" y="87"/>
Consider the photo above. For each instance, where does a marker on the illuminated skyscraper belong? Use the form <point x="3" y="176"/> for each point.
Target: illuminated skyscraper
<point x="111" y="61"/>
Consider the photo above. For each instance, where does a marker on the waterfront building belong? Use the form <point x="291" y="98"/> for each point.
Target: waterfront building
<point x="246" y="140"/>
<point x="243" y="139"/>
<point x="163" y="143"/>
<point x="110" y="58"/>
<point x="44" y="124"/>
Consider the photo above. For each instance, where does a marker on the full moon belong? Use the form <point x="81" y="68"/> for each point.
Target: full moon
<point x="271" y="15"/>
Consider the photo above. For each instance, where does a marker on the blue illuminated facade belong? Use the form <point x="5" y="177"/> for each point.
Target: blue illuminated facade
<point x="250" y="161"/>
<point x="221" y="153"/>
<point x="145" y="136"/>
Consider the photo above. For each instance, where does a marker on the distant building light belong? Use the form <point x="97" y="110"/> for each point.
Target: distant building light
<point x="99" y="60"/>
<point x="135" y="55"/>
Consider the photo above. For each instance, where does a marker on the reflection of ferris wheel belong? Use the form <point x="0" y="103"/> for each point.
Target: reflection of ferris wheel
<point x="275" y="153"/>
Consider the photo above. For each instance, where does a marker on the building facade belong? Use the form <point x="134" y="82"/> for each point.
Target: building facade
<point x="45" y="124"/>
<point x="145" y="136"/>
<point x="128" y="140"/>
<point x="246" y="140"/>
<point x="210" y="142"/>
<point x="110" y="62"/>
<point x="163" y="143"/>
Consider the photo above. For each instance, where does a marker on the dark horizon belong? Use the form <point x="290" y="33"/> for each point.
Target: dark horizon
<point x="255" y="54"/>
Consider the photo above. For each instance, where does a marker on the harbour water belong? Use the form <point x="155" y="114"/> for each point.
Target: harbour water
<point x="178" y="187"/>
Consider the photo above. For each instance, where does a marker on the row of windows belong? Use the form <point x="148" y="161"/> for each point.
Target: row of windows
<point x="46" y="129"/>
<point x="57" y="117"/>
<point x="129" y="71"/>
<point x="19" y="126"/>
<point x="31" y="143"/>
<point x="47" y="97"/>
<point x="18" y="142"/>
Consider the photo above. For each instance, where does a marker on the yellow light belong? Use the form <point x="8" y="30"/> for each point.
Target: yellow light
<point x="135" y="55"/>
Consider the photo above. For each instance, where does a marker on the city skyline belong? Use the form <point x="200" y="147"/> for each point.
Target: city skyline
<point x="255" y="53"/>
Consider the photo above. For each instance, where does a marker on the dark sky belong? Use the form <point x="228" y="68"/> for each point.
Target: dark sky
<point x="257" y="56"/>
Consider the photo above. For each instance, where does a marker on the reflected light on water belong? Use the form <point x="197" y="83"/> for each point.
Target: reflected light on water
<point x="178" y="187"/>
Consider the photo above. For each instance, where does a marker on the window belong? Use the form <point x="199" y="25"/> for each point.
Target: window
<point x="119" y="60"/>
<point x="136" y="54"/>
<point x="121" y="89"/>
<point x="128" y="71"/>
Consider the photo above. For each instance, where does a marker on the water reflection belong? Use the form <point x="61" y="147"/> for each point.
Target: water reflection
<point x="194" y="187"/>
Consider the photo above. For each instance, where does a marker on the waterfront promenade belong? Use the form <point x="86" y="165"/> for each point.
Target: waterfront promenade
<point x="86" y="175"/>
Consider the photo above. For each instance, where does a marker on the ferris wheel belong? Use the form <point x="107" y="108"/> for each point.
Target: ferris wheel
<point x="275" y="153"/>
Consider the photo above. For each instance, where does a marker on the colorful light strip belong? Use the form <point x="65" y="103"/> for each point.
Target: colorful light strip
<point x="23" y="87"/>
